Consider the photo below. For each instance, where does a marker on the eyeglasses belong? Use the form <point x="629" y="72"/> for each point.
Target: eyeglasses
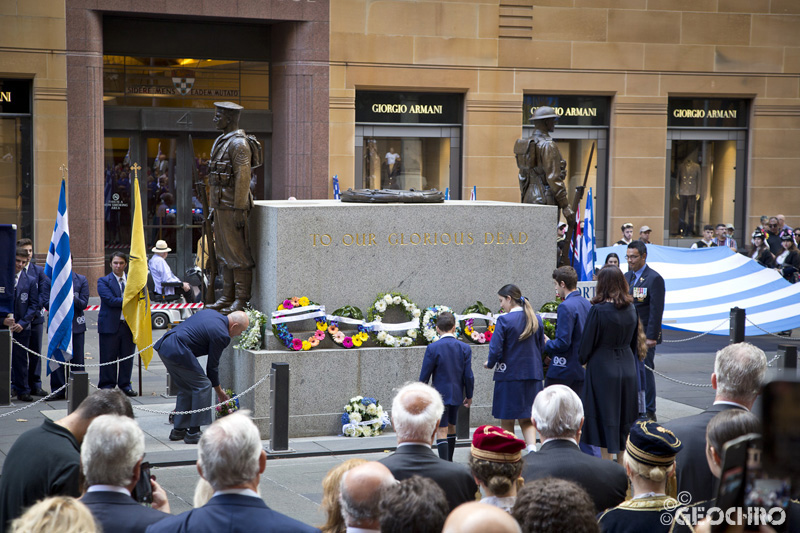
<point x="631" y="257"/>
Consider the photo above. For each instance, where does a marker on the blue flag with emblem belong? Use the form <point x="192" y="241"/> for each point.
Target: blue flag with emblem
<point x="336" y="195"/>
<point x="59" y="270"/>
<point x="587" y="251"/>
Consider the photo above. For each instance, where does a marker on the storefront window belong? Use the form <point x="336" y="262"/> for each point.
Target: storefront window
<point x="407" y="163"/>
<point x="117" y="187"/>
<point x="16" y="186"/>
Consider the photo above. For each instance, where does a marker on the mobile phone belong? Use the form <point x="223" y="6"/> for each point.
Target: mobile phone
<point x="730" y="493"/>
<point x="780" y="403"/>
<point x="143" y="491"/>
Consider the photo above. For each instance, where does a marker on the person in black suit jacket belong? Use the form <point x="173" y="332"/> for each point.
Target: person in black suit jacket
<point x="38" y="277"/>
<point x="449" y="361"/>
<point x="415" y="433"/>
<point x="739" y="371"/>
<point x="111" y="459"/>
<point x="116" y="339"/>
<point x="80" y="296"/>
<point x="647" y="287"/>
<point x="558" y="417"/>
<point x="230" y="458"/>
<point x="26" y="295"/>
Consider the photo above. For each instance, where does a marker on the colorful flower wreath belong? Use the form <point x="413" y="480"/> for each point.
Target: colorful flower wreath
<point x="363" y="417"/>
<point x="378" y="309"/>
<point x="282" y="330"/>
<point x="429" y="318"/>
<point x="470" y="333"/>
<point x="341" y="338"/>
<point x="228" y="407"/>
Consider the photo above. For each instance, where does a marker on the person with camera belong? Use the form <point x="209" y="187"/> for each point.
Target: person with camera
<point x="111" y="459"/>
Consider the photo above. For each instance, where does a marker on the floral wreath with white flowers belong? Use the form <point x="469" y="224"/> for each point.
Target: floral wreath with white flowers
<point x="251" y="337"/>
<point x="340" y="337"/>
<point x="282" y="330"/>
<point x="470" y="333"/>
<point x="429" y="319"/>
<point x="363" y="417"/>
<point x="385" y="301"/>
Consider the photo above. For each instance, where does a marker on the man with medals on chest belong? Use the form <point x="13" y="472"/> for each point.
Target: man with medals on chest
<point x="232" y="160"/>
<point x="647" y="287"/>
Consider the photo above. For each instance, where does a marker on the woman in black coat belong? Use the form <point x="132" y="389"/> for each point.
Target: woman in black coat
<point x="761" y="251"/>
<point x="610" y="340"/>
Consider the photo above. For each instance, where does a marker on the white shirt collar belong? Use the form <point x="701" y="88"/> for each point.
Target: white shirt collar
<point x="648" y="495"/>
<point x="724" y="402"/>
<point x="361" y="530"/>
<point x="514" y="310"/>
<point x="240" y="492"/>
<point x="573" y="441"/>
<point x="443" y="335"/>
<point x="109" y="488"/>
<point x="414" y="443"/>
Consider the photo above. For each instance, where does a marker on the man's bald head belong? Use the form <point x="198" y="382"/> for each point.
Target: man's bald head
<point x="238" y="321"/>
<point x="416" y="411"/>
<point x="475" y="517"/>
<point x="360" y="491"/>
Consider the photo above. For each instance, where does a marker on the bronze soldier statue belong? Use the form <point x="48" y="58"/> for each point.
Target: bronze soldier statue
<point x="541" y="168"/>
<point x="233" y="156"/>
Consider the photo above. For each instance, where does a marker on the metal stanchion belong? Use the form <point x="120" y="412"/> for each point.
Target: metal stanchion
<point x="170" y="387"/>
<point x="789" y="359"/>
<point x="77" y="390"/>
<point x="5" y="367"/>
<point x="737" y="326"/>
<point x="462" y="423"/>
<point x="279" y="408"/>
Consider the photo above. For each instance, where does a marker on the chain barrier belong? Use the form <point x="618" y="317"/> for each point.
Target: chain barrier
<point x="656" y="372"/>
<point x="65" y="363"/>
<point x="55" y="392"/>
<point x="769" y="332"/>
<point x="698" y="336"/>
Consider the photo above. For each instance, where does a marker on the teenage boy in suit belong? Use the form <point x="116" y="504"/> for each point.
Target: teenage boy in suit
<point x="449" y="361"/>
<point x="116" y="339"/>
<point x="26" y="295"/>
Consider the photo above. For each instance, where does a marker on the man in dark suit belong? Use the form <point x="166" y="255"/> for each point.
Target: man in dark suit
<point x="36" y="273"/>
<point x="647" y="287"/>
<point x="449" y="361"/>
<point x="80" y="295"/>
<point x="738" y="376"/>
<point x="416" y="411"/>
<point x="558" y="417"/>
<point x="231" y="459"/>
<point x="26" y="295"/>
<point x="111" y="459"/>
<point x="116" y="339"/>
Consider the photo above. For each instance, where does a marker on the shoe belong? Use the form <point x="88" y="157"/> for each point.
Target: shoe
<point x="60" y="396"/>
<point x="24" y="397"/>
<point x="652" y="416"/>
<point x="177" y="434"/>
<point x="39" y="392"/>
<point x="192" y="438"/>
<point x="129" y="392"/>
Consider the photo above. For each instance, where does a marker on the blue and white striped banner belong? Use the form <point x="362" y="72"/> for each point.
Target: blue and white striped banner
<point x="59" y="270"/>
<point x="587" y="249"/>
<point x="704" y="284"/>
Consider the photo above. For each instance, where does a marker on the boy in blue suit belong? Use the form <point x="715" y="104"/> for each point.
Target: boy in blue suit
<point x="449" y="361"/>
<point x="26" y="295"/>
<point x="116" y="339"/>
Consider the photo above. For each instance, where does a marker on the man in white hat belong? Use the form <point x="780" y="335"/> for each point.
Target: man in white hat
<point x="162" y="274"/>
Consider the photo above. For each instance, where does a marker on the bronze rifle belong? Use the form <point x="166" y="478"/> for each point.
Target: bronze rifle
<point x="566" y="255"/>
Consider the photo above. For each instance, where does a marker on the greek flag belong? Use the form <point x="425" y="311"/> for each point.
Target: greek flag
<point x="59" y="270"/>
<point x="586" y="266"/>
<point x="703" y="285"/>
<point x="336" y="195"/>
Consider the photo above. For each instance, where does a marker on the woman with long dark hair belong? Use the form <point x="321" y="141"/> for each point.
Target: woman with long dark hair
<point x="788" y="262"/>
<point x="515" y="354"/>
<point x="761" y="252"/>
<point x="610" y="340"/>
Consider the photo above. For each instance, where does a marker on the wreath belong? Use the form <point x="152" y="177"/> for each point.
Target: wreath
<point x="281" y="330"/>
<point x="228" y="407"/>
<point x="429" y="319"/>
<point x="251" y="337"/>
<point x="550" y="323"/>
<point x="342" y="339"/>
<point x="470" y="333"/>
<point x="363" y="417"/>
<point x="382" y="303"/>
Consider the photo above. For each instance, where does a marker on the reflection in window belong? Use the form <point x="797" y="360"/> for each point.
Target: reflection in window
<point x="576" y="153"/>
<point x="15" y="177"/>
<point x="701" y="186"/>
<point x="117" y="186"/>
<point x="406" y="163"/>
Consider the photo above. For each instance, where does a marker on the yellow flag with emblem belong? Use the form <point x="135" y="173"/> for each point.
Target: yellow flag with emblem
<point x="136" y="300"/>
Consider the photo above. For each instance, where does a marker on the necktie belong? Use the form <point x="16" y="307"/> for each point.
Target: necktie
<point x="122" y="285"/>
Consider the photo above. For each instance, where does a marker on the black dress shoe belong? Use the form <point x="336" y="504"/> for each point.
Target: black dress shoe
<point x="24" y="397"/>
<point x="177" y="434"/>
<point x="192" y="438"/>
<point x="39" y="392"/>
<point x="129" y="392"/>
<point x="60" y="396"/>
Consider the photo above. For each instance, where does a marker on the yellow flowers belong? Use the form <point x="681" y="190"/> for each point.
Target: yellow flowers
<point x="306" y="345"/>
<point x="303" y="301"/>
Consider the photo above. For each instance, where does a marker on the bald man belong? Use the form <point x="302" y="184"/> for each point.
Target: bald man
<point x="360" y="494"/>
<point x="206" y="333"/>
<point x="475" y="517"/>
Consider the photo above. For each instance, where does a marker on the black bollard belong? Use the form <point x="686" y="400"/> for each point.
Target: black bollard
<point x="789" y="359"/>
<point x="77" y="390"/>
<point x="737" y="326"/>
<point x="279" y="407"/>
<point x="5" y="367"/>
<point x="462" y="423"/>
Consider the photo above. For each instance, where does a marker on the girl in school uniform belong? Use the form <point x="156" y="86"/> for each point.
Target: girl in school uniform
<point x="515" y="354"/>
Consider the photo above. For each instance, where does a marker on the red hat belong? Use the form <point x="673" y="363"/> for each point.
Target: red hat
<point x="495" y="444"/>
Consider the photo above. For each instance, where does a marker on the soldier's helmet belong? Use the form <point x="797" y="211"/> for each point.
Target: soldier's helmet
<point x="544" y="112"/>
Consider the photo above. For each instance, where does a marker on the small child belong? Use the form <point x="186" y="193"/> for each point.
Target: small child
<point x="449" y="361"/>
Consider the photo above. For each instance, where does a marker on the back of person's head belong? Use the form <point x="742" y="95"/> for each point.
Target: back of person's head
<point x="566" y="274"/>
<point x="552" y="505"/>
<point x="360" y="493"/>
<point x="650" y="451"/>
<point x="611" y="286"/>
<point x="558" y="412"/>
<point x="415" y="504"/>
<point x="416" y="411"/>
<point x="58" y="513"/>
<point x="105" y="402"/>
<point x="531" y="324"/>
<point x="740" y="370"/>
<point x="330" y="495"/>
<point x="496" y="459"/>
<point x="446" y="322"/>
<point x="639" y="246"/>
<point x="111" y="448"/>
<point x="476" y="517"/>
<point x="728" y="425"/>
<point x="228" y="452"/>
<point x="203" y="491"/>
